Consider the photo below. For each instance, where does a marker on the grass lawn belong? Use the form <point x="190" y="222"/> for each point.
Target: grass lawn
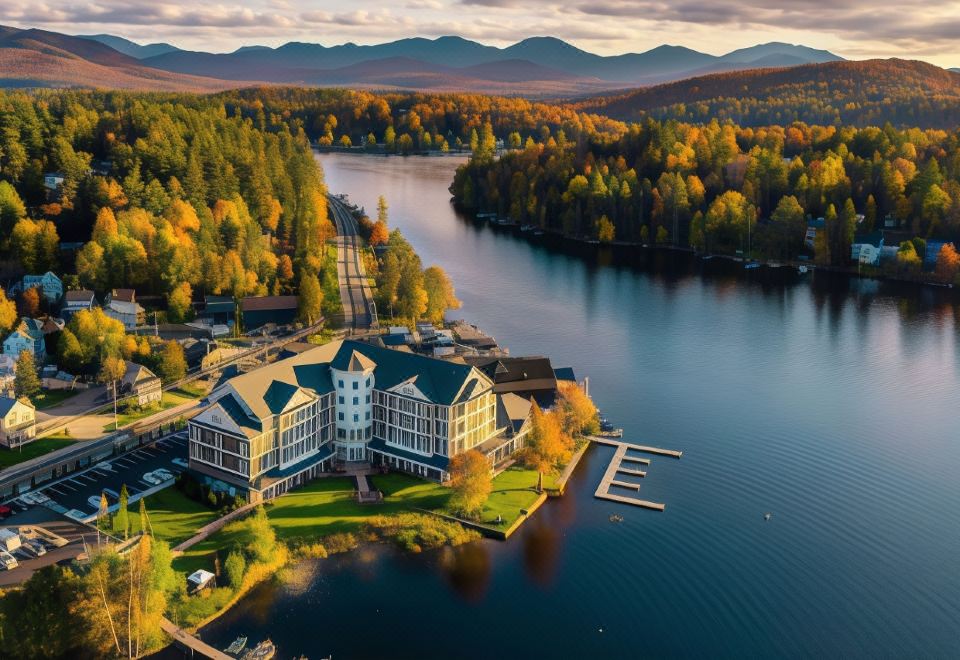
<point x="513" y="489"/>
<point x="169" y="400"/>
<point x="51" y="398"/>
<point x="174" y="516"/>
<point x="190" y="391"/>
<point x="36" y="448"/>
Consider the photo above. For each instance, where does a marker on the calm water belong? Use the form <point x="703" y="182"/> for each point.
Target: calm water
<point x="832" y="404"/>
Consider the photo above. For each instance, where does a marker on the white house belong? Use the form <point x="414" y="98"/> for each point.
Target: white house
<point x="141" y="384"/>
<point x="866" y="248"/>
<point x="28" y="336"/>
<point x="122" y="305"/>
<point x="18" y="424"/>
<point x="75" y="301"/>
<point x="52" y="181"/>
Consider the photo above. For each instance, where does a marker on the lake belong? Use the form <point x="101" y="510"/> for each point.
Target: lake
<point x="830" y="402"/>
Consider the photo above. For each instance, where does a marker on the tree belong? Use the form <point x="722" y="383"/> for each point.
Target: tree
<point x="579" y="414"/>
<point x="69" y="353"/>
<point x="8" y="313"/>
<point x="471" y="480"/>
<point x="172" y="365"/>
<point x="440" y="293"/>
<point x="605" y="230"/>
<point x="948" y="263"/>
<point x="25" y="382"/>
<point x="29" y="302"/>
<point x="235" y="567"/>
<point x="546" y="444"/>
<point x="263" y="540"/>
<point x="121" y="519"/>
<point x="180" y="303"/>
<point x="310" y="299"/>
<point x="12" y="209"/>
<point x="39" y="619"/>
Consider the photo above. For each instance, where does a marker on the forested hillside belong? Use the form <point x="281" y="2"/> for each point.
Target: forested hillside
<point x="864" y="93"/>
<point x="168" y="193"/>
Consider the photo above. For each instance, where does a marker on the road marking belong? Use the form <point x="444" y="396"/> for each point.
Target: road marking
<point x="49" y="488"/>
<point x="125" y="463"/>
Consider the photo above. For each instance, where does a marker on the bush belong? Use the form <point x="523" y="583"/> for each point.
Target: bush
<point x="417" y="531"/>
<point x="235" y="567"/>
<point x="341" y="542"/>
<point x="312" y="551"/>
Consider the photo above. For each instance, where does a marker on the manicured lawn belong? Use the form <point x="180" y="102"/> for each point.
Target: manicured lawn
<point x="36" y="448"/>
<point x="513" y="489"/>
<point x="51" y="398"/>
<point x="173" y="516"/>
<point x="169" y="400"/>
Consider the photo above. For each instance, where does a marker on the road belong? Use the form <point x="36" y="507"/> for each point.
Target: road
<point x="358" y="309"/>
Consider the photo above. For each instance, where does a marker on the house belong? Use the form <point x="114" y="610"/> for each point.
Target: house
<point x="51" y="288"/>
<point x="122" y="305"/>
<point x="218" y="310"/>
<point x="141" y="385"/>
<point x="177" y="331"/>
<point x="200" y="579"/>
<point x="51" y="324"/>
<point x="866" y="248"/>
<point x="813" y="226"/>
<point x="932" y="252"/>
<point x="8" y="371"/>
<point x="18" y="423"/>
<point x="273" y="429"/>
<point x="258" y="311"/>
<point x="527" y="377"/>
<point x="53" y="181"/>
<point x="28" y="336"/>
<point x="75" y="301"/>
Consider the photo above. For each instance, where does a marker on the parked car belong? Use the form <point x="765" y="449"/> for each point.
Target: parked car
<point x="152" y="478"/>
<point x="181" y="462"/>
<point x="37" y="546"/>
<point x="8" y="561"/>
<point x="163" y="473"/>
<point x="103" y="465"/>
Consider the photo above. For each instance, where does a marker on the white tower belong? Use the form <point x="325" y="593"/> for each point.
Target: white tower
<point x="354" y="409"/>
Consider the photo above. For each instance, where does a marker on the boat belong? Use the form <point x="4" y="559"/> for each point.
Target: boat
<point x="752" y="265"/>
<point x="265" y="650"/>
<point x="616" y="518"/>
<point x="767" y="516"/>
<point x="802" y="270"/>
<point x="538" y="232"/>
<point x="237" y="646"/>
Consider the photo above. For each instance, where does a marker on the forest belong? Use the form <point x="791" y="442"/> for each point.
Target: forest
<point x="721" y="188"/>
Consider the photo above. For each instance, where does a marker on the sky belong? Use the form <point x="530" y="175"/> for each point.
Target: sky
<point x="856" y="29"/>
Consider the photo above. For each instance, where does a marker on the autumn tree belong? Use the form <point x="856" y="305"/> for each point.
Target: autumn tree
<point x="471" y="480"/>
<point x="310" y="298"/>
<point x="8" y="313"/>
<point x="121" y="519"/>
<point x="577" y="411"/>
<point x="39" y="619"/>
<point x="441" y="295"/>
<point x="948" y="263"/>
<point x="180" y="303"/>
<point x="547" y="446"/>
<point x="28" y="302"/>
<point x="172" y="365"/>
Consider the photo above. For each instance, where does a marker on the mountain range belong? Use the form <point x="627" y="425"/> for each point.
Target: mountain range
<point x="538" y="66"/>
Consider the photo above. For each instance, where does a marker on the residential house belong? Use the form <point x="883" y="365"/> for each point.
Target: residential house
<point x="866" y="248"/>
<point x="51" y="288"/>
<point x="527" y="377"/>
<point x="18" y="423"/>
<point x="932" y="252"/>
<point x="258" y="311"/>
<point x="140" y="384"/>
<point x="813" y="226"/>
<point x="52" y="324"/>
<point x="75" y="301"/>
<point x="27" y="336"/>
<point x="53" y="181"/>
<point x="218" y="310"/>
<point x="275" y="428"/>
<point x="122" y="305"/>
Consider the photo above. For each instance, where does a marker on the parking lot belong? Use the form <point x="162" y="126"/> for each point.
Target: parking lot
<point x="80" y="493"/>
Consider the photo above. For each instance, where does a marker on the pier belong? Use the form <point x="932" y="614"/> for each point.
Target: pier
<point x="610" y="480"/>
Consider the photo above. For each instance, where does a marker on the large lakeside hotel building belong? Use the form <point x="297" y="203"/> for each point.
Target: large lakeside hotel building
<point x="275" y="428"/>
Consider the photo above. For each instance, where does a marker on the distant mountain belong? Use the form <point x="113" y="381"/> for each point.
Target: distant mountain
<point x="859" y="93"/>
<point x="660" y="64"/>
<point x="37" y="58"/>
<point x="131" y="48"/>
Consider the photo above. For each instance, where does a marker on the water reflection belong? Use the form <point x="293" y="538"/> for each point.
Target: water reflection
<point x="541" y="551"/>
<point x="467" y="570"/>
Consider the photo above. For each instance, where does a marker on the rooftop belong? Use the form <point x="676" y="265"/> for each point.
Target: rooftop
<point x="259" y="303"/>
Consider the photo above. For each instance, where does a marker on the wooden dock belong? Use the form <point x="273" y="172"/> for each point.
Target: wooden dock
<point x="616" y="467"/>
<point x="190" y="644"/>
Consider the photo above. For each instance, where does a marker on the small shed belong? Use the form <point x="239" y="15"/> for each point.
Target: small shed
<point x="200" y="580"/>
<point x="9" y="540"/>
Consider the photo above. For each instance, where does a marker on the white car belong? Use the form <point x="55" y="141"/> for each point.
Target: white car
<point x="8" y="561"/>
<point x="152" y="478"/>
<point x="163" y="474"/>
<point x="103" y="465"/>
<point x="181" y="462"/>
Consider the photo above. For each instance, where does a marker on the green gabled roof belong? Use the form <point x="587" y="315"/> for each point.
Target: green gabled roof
<point x="314" y="376"/>
<point x="278" y="396"/>
<point x="439" y="380"/>
<point x="233" y="408"/>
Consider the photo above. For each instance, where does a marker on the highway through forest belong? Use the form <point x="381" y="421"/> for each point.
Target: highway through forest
<point x="358" y="309"/>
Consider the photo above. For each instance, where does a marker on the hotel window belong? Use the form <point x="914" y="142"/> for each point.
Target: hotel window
<point x="368" y="398"/>
<point x="340" y="416"/>
<point x="368" y="416"/>
<point x="356" y="417"/>
<point x="340" y="400"/>
<point x="339" y="383"/>
<point x="356" y="400"/>
<point x="356" y="385"/>
<point x="367" y="384"/>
